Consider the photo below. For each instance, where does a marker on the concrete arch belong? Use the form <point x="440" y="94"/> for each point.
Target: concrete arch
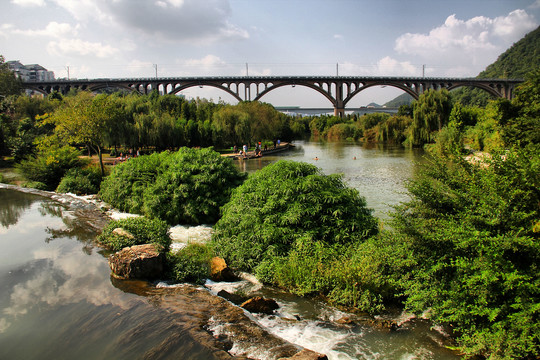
<point x="36" y="89"/>
<point x="484" y="87"/>
<point x="221" y="87"/>
<point x="405" y="88"/>
<point x="296" y="83"/>
<point x="113" y="86"/>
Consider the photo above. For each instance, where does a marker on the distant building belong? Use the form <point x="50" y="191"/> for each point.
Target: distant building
<point x="32" y="72"/>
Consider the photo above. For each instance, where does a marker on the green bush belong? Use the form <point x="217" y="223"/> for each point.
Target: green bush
<point x="282" y="203"/>
<point x="191" y="186"/>
<point x="185" y="187"/>
<point x="80" y="181"/>
<point x="35" y="185"/>
<point x="190" y="264"/>
<point x="124" y="187"/>
<point x="50" y="165"/>
<point x="144" y="231"/>
<point x="471" y="232"/>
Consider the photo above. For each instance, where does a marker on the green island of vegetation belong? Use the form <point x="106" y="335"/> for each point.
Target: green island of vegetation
<point x="464" y="251"/>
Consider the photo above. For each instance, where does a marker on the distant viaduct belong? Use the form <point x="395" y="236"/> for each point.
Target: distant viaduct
<point x="339" y="90"/>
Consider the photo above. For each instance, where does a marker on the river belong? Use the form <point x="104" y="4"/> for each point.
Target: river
<point x="57" y="298"/>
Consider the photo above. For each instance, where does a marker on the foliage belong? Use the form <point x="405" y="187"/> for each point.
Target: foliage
<point x="283" y="203"/>
<point x="190" y="264"/>
<point x="50" y="164"/>
<point x="9" y="84"/>
<point x="188" y="186"/>
<point x="522" y="124"/>
<point x="470" y="232"/>
<point x="84" y="119"/>
<point x="431" y="113"/>
<point x="80" y="181"/>
<point x="393" y="129"/>
<point x="247" y="123"/>
<point x="515" y="63"/>
<point x="343" y="131"/>
<point x="191" y="186"/>
<point x="144" y="231"/>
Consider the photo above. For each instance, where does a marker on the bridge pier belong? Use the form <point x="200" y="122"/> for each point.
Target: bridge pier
<point x="339" y="111"/>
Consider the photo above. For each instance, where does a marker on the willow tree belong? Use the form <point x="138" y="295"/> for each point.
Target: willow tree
<point x="430" y="113"/>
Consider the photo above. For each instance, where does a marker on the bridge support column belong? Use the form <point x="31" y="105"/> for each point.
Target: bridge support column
<point x="339" y="111"/>
<point x="339" y="106"/>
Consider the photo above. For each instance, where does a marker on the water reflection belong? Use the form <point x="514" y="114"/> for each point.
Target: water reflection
<point x="57" y="301"/>
<point x="12" y="206"/>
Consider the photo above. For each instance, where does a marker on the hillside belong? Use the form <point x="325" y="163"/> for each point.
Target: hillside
<point x="521" y="58"/>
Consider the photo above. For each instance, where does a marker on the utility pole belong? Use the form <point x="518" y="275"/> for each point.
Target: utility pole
<point x="337" y="69"/>
<point x="67" y="67"/>
<point x="424" y="70"/>
<point x="155" y="67"/>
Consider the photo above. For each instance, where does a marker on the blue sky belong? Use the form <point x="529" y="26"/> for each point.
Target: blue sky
<point x="128" y="38"/>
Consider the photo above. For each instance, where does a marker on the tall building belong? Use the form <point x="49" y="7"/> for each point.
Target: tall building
<point x="32" y="72"/>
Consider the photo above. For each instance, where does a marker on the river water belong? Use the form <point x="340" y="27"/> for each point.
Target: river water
<point x="57" y="299"/>
<point x="377" y="171"/>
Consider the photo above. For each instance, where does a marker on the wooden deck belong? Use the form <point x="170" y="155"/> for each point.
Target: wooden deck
<point x="251" y="154"/>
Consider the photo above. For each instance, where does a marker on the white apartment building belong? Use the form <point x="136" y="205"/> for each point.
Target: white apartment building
<point x="32" y="72"/>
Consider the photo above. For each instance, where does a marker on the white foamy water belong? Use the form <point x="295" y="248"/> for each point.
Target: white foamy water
<point x="182" y="235"/>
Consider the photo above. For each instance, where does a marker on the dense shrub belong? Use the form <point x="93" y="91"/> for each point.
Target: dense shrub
<point x="471" y="231"/>
<point x="124" y="187"/>
<point x="191" y="186"/>
<point x="190" y="264"/>
<point x="81" y="181"/>
<point x="343" y="132"/>
<point x="50" y="164"/>
<point x="285" y="202"/>
<point x="185" y="187"/>
<point x="144" y="231"/>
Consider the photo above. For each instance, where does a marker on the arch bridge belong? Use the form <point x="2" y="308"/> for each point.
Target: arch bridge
<point x="339" y="90"/>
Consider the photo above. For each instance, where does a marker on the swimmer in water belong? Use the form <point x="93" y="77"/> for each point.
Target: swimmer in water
<point x="316" y="158"/>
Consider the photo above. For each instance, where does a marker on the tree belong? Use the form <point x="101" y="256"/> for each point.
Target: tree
<point x="84" y="119"/>
<point x="431" y="113"/>
<point x="9" y="83"/>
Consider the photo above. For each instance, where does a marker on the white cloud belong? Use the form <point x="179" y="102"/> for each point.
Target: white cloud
<point x="77" y="47"/>
<point x="535" y="5"/>
<point x="459" y="36"/>
<point x="338" y="36"/>
<point x="28" y="3"/>
<point x="386" y="66"/>
<point x="466" y="44"/>
<point x="86" y="10"/>
<point x="173" y="20"/>
<point x="515" y="25"/>
<point x="53" y="29"/>
<point x="390" y="66"/>
<point x="5" y="29"/>
<point x="205" y="62"/>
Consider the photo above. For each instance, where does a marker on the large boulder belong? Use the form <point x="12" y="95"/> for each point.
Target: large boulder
<point x="220" y="271"/>
<point x="259" y="304"/>
<point x="306" y="354"/>
<point x="234" y="298"/>
<point x="124" y="233"/>
<point x="138" y="262"/>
